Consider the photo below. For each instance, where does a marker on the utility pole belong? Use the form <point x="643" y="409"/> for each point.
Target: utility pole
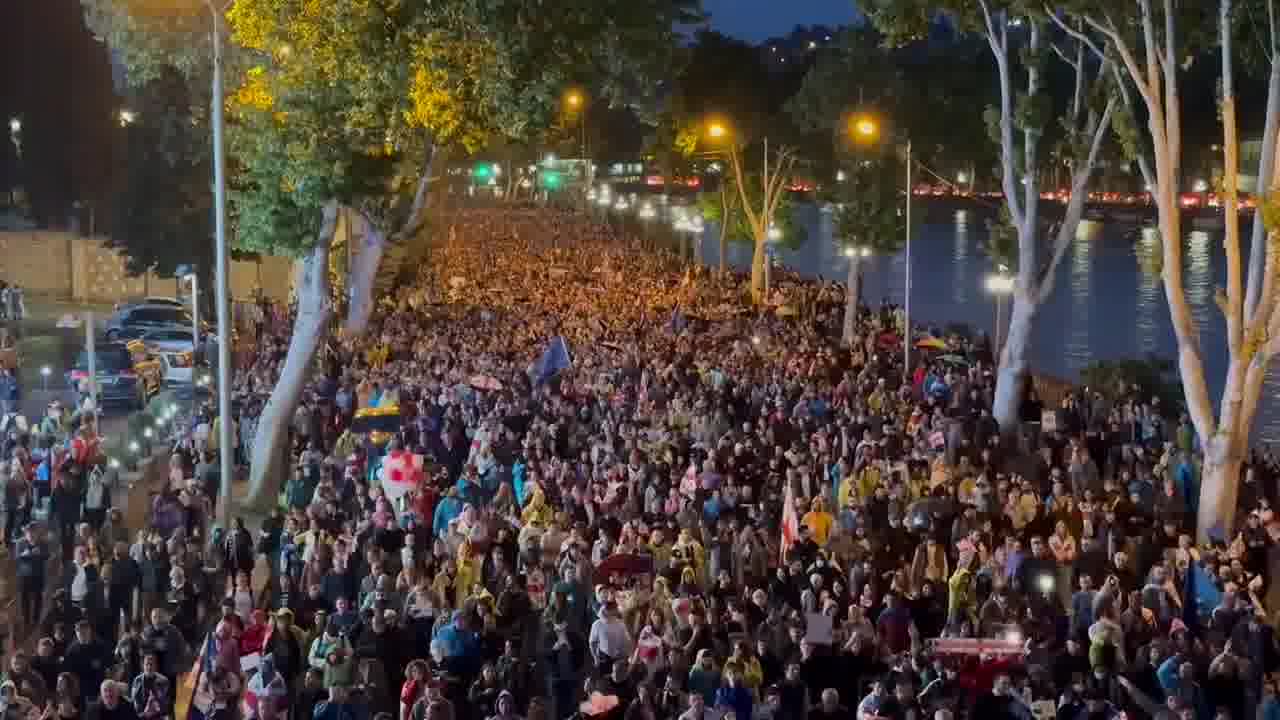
<point x="225" y="462"/>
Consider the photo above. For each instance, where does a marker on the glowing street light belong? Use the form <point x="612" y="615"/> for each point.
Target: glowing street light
<point x="127" y="117"/>
<point x="850" y="252"/>
<point x="999" y="284"/>
<point x="717" y="130"/>
<point x="775" y="233"/>
<point x="134" y="447"/>
<point x="15" y="125"/>
<point x="574" y="98"/>
<point x="865" y="128"/>
<point x="146" y="433"/>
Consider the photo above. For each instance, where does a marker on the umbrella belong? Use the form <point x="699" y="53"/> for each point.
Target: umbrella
<point x="485" y="382"/>
<point x="625" y="564"/>
<point x="931" y="343"/>
<point x="953" y="359"/>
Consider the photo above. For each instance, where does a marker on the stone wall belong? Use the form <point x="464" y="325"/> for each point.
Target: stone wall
<point x="68" y="266"/>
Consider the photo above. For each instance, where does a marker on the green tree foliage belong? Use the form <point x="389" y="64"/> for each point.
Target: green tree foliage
<point x="1001" y="245"/>
<point x="162" y="210"/>
<point x="868" y="210"/>
<point x="926" y="90"/>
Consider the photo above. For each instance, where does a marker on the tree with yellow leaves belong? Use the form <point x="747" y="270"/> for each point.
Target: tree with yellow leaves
<point x="342" y="107"/>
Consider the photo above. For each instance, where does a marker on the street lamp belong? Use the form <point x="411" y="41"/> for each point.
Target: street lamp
<point x="15" y="125"/>
<point x="999" y="284"/>
<point x="717" y="130"/>
<point x="865" y="128"/>
<point x="577" y="102"/>
<point x="127" y="117"/>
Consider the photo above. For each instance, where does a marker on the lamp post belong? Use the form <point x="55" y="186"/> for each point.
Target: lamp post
<point x="865" y="128"/>
<point x="772" y="237"/>
<point x="225" y="469"/>
<point x="576" y="100"/>
<point x="999" y="284"/>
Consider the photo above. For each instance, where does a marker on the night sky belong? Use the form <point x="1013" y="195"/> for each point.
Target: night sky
<point x="757" y="20"/>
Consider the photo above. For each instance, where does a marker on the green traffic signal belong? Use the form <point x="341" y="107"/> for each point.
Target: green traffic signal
<point x="482" y="172"/>
<point x="550" y="179"/>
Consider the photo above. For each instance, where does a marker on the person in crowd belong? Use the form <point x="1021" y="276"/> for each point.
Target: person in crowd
<point x="555" y="479"/>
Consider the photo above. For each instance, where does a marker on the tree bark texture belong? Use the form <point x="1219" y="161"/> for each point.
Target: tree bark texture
<point x="310" y="328"/>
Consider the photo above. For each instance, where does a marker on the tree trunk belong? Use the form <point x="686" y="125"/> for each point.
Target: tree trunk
<point x="1219" y="482"/>
<point x="852" y="289"/>
<point x="758" y="259"/>
<point x="362" y="273"/>
<point x="315" y="310"/>
<point x="1011" y="375"/>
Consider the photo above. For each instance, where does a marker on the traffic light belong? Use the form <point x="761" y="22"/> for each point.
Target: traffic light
<point x="482" y="172"/>
<point x="550" y="179"/>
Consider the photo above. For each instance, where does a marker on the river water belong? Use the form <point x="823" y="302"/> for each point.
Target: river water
<point x="1109" y="302"/>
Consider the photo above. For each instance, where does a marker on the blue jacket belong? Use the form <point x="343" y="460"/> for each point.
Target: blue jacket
<point x="737" y="698"/>
<point x="446" y="510"/>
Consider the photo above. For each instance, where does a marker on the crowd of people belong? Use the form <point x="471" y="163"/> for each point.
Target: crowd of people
<point x="631" y="497"/>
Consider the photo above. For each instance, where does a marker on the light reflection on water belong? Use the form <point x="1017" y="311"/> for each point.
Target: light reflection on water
<point x="1109" y="302"/>
<point x="1077" y="336"/>
<point x="1149" y="297"/>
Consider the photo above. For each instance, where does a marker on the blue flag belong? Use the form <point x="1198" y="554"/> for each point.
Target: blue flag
<point x="554" y="359"/>
<point x="1200" y="596"/>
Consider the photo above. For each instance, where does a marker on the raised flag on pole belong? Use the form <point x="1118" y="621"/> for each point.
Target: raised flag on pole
<point x="790" y="522"/>
<point x="554" y="359"/>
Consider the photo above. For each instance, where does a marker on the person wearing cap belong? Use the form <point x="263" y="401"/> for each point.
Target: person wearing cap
<point x="284" y="645"/>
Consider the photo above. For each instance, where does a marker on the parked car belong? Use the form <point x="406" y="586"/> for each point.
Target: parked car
<point x="176" y="350"/>
<point x="125" y="374"/>
<point x="160" y="300"/>
<point x="128" y="320"/>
